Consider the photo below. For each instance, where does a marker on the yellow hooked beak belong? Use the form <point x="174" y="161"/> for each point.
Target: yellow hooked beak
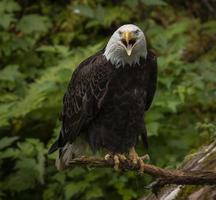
<point x="128" y="40"/>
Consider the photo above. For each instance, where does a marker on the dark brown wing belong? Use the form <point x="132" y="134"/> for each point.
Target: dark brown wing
<point x="152" y="84"/>
<point x="84" y="96"/>
<point x="151" y="64"/>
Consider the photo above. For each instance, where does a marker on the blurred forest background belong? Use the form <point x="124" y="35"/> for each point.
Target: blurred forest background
<point x="41" y="42"/>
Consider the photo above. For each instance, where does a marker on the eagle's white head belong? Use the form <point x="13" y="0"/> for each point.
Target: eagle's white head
<point x="126" y="46"/>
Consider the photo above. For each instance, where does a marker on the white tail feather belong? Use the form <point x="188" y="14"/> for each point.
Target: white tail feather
<point x="68" y="154"/>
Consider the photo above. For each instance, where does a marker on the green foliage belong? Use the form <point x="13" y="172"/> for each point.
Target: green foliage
<point x="33" y="23"/>
<point x="40" y="45"/>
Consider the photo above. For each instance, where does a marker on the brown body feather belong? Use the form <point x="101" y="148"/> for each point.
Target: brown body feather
<point x="106" y="105"/>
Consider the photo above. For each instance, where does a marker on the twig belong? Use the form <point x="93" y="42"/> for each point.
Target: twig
<point x="164" y="176"/>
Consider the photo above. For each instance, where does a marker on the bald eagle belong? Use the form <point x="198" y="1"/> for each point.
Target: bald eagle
<point x="107" y="98"/>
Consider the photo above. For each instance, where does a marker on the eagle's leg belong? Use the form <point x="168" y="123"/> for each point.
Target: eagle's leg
<point x="133" y="156"/>
<point x="117" y="159"/>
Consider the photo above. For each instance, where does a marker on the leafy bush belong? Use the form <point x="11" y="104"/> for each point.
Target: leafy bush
<point x="40" y="45"/>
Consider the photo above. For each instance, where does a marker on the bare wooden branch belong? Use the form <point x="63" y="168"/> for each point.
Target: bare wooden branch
<point x="164" y="176"/>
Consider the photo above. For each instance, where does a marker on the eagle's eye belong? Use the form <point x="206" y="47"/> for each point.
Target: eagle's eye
<point x="120" y="33"/>
<point x="136" y="31"/>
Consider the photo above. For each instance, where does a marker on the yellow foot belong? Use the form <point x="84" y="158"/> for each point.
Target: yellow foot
<point x="136" y="160"/>
<point x="117" y="159"/>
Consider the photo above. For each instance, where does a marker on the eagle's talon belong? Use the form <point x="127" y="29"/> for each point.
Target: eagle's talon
<point x="141" y="166"/>
<point x="116" y="158"/>
<point x="145" y="157"/>
<point x="136" y="160"/>
<point x="116" y="162"/>
<point x="107" y="157"/>
<point x="133" y="156"/>
<point x="122" y="157"/>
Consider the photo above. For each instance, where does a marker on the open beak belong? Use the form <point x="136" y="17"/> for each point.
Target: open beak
<point x="129" y="40"/>
<point x="129" y="50"/>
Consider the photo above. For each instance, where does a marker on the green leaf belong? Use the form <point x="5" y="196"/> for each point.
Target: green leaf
<point x="33" y="23"/>
<point x="10" y="73"/>
<point x="6" y="20"/>
<point x="7" y="141"/>
<point x="84" y="10"/>
<point x="21" y="180"/>
<point x="116" y="14"/>
<point x="59" y="49"/>
<point x="154" y="2"/>
<point x="11" y="153"/>
<point x="173" y="105"/>
<point x="9" y="6"/>
<point x="74" y="188"/>
<point x="167" y="81"/>
<point x="154" y="115"/>
<point x="8" y="97"/>
<point x="152" y="128"/>
<point x="131" y="3"/>
<point x="179" y="28"/>
<point x="100" y="13"/>
<point x="94" y="193"/>
<point x="209" y="26"/>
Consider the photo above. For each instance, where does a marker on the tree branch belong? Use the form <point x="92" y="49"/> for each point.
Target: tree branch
<point x="164" y="176"/>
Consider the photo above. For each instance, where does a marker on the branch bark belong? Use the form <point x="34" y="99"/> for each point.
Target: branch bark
<point x="165" y="176"/>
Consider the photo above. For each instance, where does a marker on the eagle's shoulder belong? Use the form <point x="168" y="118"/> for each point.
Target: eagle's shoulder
<point x="151" y="56"/>
<point x="150" y="61"/>
<point x="92" y="65"/>
<point x="97" y="57"/>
